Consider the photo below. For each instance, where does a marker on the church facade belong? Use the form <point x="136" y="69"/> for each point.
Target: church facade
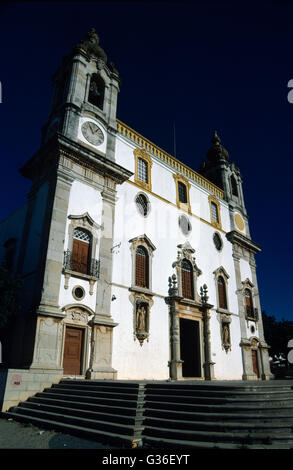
<point x="134" y="265"/>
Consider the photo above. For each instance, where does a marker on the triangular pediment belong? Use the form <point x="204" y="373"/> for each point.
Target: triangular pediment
<point x="143" y="239"/>
<point x="221" y="270"/>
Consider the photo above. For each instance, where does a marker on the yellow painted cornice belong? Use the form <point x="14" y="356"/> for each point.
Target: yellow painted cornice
<point x="175" y="164"/>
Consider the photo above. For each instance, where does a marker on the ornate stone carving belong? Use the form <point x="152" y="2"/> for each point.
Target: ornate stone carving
<point x="141" y="319"/>
<point x="91" y="46"/>
<point x="225" y="332"/>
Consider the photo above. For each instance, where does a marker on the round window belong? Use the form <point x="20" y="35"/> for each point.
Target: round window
<point x="185" y="225"/>
<point x="142" y="203"/>
<point x="78" y="293"/>
<point x="252" y="329"/>
<point x="218" y="241"/>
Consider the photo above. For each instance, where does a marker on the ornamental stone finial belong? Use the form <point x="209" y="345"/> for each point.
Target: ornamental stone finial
<point x="90" y="44"/>
<point x="217" y="151"/>
<point x="203" y="294"/>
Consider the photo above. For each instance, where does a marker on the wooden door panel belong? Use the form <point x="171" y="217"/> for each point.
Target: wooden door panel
<point x="80" y="253"/>
<point x="73" y="351"/>
<point x="255" y="362"/>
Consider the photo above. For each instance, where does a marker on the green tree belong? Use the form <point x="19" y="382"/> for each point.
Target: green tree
<point x="9" y="287"/>
<point x="277" y="333"/>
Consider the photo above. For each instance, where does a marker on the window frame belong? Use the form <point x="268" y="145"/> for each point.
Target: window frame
<point x="185" y="206"/>
<point x="143" y="155"/>
<point x="214" y="200"/>
<point x="222" y="273"/>
<point x="183" y="278"/>
<point x="146" y="243"/>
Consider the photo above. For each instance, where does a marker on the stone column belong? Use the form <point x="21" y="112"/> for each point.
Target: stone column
<point x="103" y="302"/>
<point x="263" y="346"/>
<point x="208" y="363"/>
<point x="102" y="324"/>
<point x="175" y="363"/>
<point x="55" y="250"/>
<point x="244" y="343"/>
<point x="48" y="338"/>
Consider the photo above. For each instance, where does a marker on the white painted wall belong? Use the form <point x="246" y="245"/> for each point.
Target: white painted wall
<point x="150" y="361"/>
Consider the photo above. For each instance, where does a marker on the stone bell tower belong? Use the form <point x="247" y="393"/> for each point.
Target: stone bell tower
<point x="227" y="176"/>
<point x="84" y="101"/>
<point x="76" y="159"/>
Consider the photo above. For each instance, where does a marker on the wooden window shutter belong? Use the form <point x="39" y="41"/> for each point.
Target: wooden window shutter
<point x="141" y="267"/>
<point x="248" y="303"/>
<point x="222" y="293"/>
<point x="187" y="279"/>
<point x="80" y="253"/>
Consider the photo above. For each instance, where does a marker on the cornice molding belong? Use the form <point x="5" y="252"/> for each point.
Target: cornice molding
<point x="236" y="238"/>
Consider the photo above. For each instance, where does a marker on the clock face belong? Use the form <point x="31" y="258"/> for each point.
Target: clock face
<point x="92" y="133"/>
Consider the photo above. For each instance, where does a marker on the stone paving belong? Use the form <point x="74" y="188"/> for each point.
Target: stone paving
<point x="14" y="435"/>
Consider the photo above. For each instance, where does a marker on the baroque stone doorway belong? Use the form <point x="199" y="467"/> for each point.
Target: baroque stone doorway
<point x="190" y="348"/>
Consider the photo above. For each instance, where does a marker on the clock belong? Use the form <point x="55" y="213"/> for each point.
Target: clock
<point x="92" y="133"/>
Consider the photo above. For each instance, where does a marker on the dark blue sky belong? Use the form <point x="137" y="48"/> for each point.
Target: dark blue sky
<point x="205" y="65"/>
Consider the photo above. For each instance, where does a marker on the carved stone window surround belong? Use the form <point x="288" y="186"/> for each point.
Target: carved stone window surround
<point x="143" y="155"/>
<point x="83" y="221"/>
<point x="185" y="251"/>
<point x="181" y="205"/>
<point x="221" y="272"/>
<point x="144" y="241"/>
<point x="213" y="199"/>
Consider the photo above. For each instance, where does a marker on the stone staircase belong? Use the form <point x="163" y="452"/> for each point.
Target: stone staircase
<point x="225" y="415"/>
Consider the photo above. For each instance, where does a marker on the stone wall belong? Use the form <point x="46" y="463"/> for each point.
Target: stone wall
<point x="18" y="384"/>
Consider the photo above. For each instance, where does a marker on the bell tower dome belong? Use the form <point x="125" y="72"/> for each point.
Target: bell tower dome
<point x="84" y="101"/>
<point x="227" y="176"/>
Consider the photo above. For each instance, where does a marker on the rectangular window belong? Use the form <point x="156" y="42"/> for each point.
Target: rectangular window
<point x="215" y="215"/>
<point x="142" y="170"/>
<point x="182" y="193"/>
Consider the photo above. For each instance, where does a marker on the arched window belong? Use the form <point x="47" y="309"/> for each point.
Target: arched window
<point x="141" y="267"/>
<point x="142" y="170"/>
<point x="187" y="279"/>
<point x="222" y="293"/>
<point x="182" y="193"/>
<point x="80" y="251"/>
<point x="97" y="91"/>
<point x="234" y="186"/>
<point x="249" y="303"/>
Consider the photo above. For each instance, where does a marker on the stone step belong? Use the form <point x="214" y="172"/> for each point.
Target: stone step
<point x="244" y="437"/>
<point x="115" y="428"/>
<point x="220" y="426"/>
<point x="128" y="384"/>
<point x="97" y="386"/>
<point x="243" y="416"/>
<point x="258" y="394"/>
<point x="153" y="442"/>
<point x="118" y="411"/>
<point x="247" y="387"/>
<point x="219" y="400"/>
<point x="102" y="391"/>
<point x="122" y="401"/>
<point x="181" y="405"/>
<point x="81" y="412"/>
<point x="80" y="431"/>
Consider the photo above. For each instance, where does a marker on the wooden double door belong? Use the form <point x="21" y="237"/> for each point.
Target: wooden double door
<point x="73" y="351"/>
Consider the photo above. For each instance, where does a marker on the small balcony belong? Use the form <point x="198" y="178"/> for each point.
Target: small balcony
<point x="88" y="268"/>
